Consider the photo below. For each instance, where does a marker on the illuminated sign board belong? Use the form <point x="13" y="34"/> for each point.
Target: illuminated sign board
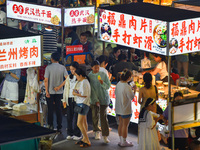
<point x="184" y="36"/>
<point x="34" y="13"/>
<point x="133" y="31"/>
<point x="79" y="16"/>
<point x="18" y="53"/>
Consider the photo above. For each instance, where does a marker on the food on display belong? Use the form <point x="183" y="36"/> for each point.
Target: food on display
<point x="55" y="20"/>
<point x="90" y="19"/>
<point x="160" y="35"/>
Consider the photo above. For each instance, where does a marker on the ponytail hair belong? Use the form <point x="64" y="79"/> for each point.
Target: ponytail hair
<point x="147" y="80"/>
<point x="125" y="75"/>
<point x="80" y="71"/>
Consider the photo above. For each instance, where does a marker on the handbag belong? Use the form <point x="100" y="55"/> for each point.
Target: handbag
<point x="78" y="109"/>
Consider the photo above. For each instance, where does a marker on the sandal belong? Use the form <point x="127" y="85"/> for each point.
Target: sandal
<point x="84" y="145"/>
<point x="79" y="142"/>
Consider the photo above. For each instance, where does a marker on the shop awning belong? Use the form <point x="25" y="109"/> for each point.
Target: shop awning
<point x="8" y="32"/>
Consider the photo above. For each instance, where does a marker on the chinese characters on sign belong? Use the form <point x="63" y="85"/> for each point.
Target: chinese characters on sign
<point x="133" y="31"/>
<point x="74" y="49"/>
<point x="79" y="16"/>
<point x="20" y="53"/>
<point x="184" y="36"/>
<point x="34" y="13"/>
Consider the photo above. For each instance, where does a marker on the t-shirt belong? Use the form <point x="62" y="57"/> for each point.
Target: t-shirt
<point x="84" y="89"/>
<point x="102" y="69"/>
<point x="163" y="72"/>
<point x="2" y="17"/>
<point x="49" y="39"/>
<point x="124" y="97"/>
<point x="55" y="74"/>
<point x="72" y="85"/>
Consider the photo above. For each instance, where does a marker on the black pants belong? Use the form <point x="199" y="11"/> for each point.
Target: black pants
<point x="72" y="128"/>
<point x="55" y="99"/>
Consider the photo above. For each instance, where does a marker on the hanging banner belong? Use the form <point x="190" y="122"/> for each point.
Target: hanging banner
<point x="79" y="16"/>
<point x="18" y="53"/>
<point x="184" y="36"/>
<point x="34" y="13"/>
<point x="133" y="31"/>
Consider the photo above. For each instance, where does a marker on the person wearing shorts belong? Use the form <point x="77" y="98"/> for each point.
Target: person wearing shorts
<point x="124" y="96"/>
<point x="10" y="86"/>
<point x="82" y="94"/>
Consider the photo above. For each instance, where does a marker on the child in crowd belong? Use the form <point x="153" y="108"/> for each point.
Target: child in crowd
<point x="148" y="138"/>
<point x="99" y="100"/>
<point x="73" y="131"/>
<point x="123" y="110"/>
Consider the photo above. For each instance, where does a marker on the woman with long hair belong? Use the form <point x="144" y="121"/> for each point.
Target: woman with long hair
<point x="82" y="93"/>
<point x="123" y="110"/>
<point x="73" y="131"/>
<point x="148" y="90"/>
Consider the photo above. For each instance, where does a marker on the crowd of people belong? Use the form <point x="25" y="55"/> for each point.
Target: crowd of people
<point x="84" y="92"/>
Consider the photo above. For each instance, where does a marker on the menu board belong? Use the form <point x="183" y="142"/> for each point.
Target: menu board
<point x="79" y="16"/>
<point x="184" y="36"/>
<point x="133" y="31"/>
<point x="18" y="53"/>
<point x="34" y="13"/>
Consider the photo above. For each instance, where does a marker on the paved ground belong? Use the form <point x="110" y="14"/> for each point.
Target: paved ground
<point x="60" y="142"/>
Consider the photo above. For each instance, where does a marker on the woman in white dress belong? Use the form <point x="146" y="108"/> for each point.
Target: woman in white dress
<point x="148" y="138"/>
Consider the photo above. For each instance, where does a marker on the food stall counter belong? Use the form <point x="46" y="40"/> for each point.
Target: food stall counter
<point x="162" y="99"/>
<point x="28" y="115"/>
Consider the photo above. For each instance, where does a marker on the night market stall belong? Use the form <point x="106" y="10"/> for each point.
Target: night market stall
<point x="156" y="29"/>
<point x="19" y="49"/>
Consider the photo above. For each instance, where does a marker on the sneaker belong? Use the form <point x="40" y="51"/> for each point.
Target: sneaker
<point x="97" y="135"/>
<point x="76" y="138"/>
<point x="69" y="137"/>
<point x="126" y="144"/>
<point x="106" y="140"/>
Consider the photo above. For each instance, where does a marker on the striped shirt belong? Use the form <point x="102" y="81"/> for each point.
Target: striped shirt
<point x="49" y="39"/>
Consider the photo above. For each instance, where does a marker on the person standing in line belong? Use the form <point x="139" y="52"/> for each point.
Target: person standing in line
<point x="68" y="100"/>
<point x="82" y="94"/>
<point x="99" y="100"/>
<point x="123" y="110"/>
<point x="148" y="138"/>
<point x="54" y="74"/>
<point x="147" y="91"/>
